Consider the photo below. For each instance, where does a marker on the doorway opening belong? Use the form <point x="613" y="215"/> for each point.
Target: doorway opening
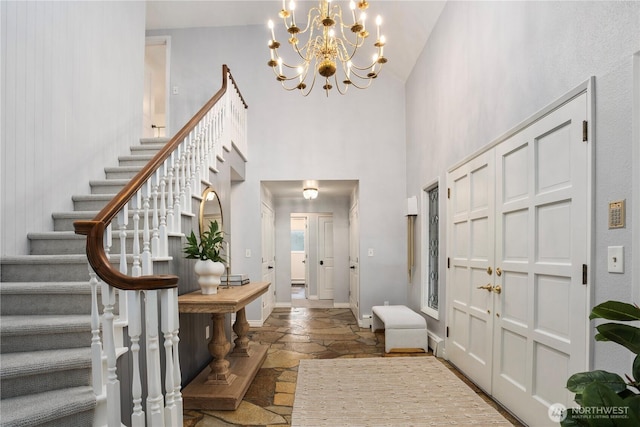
<point x="155" y="106"/>
<point x="312" y="260"/>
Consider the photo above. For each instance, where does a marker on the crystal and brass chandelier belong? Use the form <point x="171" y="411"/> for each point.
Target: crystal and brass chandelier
<point x="332" y="41"/>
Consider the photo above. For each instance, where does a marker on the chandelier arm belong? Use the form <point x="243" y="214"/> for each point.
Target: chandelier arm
<point x="361" y="87"/>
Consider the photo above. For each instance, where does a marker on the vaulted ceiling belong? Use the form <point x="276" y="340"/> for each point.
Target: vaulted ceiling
<point x="406" y="24"/>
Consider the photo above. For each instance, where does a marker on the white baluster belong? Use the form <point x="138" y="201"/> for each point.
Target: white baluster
<point x="113" y="384"/>
<point x="162" y="230"/>
<point x="167" y="327"/>
<point x="147" y="265"/>
<point x="123" y="221"/>
<point x="186" y="201"/>
<point x="178" y="195"/>
<point x="155" y="401"/>
<point x="136" y="270"/>
<point x="135" y="329"/>
<point x="170" y="200"/>
<point x="96" y="343"/>
<point x="155" y="215"/>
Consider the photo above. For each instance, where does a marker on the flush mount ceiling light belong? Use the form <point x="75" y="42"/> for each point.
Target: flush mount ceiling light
<point x="332" y="42"/>
<point x="310" y="193"/>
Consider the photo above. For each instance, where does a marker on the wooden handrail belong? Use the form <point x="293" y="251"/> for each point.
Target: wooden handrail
<point x="94" y="229"/>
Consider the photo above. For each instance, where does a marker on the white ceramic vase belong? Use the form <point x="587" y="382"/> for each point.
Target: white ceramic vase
<point x="209" y="273"/>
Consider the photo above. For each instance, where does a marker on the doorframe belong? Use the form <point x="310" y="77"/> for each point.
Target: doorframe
<point x="635" y="247"/>
<point x="587" y="87"/>
<point x="166" y="41"/>
<point x="320" y="291"/>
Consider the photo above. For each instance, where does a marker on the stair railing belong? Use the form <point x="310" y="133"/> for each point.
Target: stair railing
<point x="124" y="240"/>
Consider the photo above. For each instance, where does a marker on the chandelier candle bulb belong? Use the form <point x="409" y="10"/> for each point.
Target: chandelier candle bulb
<point x="378" y="22"/>
<point x="273" y="35"/>
<point x="292" y="6"/>
<point x="352" y="6"/>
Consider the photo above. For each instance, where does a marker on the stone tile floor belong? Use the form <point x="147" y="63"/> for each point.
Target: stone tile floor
<point x="293" y="334"/>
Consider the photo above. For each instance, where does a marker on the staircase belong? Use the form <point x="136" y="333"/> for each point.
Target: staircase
<point x="45" y="313"/>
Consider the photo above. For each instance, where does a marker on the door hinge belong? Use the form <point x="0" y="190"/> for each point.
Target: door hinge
<point x="448" y="193"/>
<point x="584" y="274"/>
<point x="447" y="332"/>
<point x="448" y="262"/>
<point x="585" y="131"/>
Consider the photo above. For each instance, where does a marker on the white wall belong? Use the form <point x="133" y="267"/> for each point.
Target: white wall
<point x="489" y="65"/>
<point x="360" y="136"/>
<point x="72" y="82"/>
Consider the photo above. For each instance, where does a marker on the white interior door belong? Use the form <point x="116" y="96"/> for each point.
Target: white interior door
<point x="268" y="259"/>
<point x="354" y="262"/>
<point x="298" y="250"/>
<point x="518" y="227"/>
<point x="471" y="231"/>
<point x="325" y="257"/>
<point x="540" y="326"/>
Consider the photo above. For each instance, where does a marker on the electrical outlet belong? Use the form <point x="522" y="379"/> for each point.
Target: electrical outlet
<point x="247" y="253"/>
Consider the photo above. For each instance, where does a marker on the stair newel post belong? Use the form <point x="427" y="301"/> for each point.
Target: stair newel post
<point x="177" y="378"/>
<point x="163" y="249"/>
<point x="168" y="304"/>
<point x="96" y="343"/>
<point x="147" y="265"/>
<point x="135" y="329"/>
<point x="136" y="269"/>
<point x="113" y="384"/>
<point x="155" y="400"/>
<point x="155" y="214"/>
<point x="123" y="222"/>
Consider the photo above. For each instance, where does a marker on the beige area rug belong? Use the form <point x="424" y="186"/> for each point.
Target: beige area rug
<point x="386" y="391"/>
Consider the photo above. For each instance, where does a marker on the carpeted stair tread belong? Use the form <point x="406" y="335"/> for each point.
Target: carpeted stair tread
<point x="39" y="288"/>
<point x="53" y="235"/>
<point x="41" y="408"/>
<point x="41" y="259"/>
<point x="42" y="362"/>
<point x="36" y="325"/>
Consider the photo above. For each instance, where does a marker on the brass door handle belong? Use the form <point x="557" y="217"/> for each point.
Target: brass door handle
<point x="489" y="271"/>
<point x="497" y="289"/>
<point x="487" y="287"/>
<point x="498" y="271"/>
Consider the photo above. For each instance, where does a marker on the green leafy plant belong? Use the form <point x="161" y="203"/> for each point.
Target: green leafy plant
<point x="605" y="398"/>
<point x="210" y="245"/>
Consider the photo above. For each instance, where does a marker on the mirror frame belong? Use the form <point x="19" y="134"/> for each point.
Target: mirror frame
<point x="205" y="199"/>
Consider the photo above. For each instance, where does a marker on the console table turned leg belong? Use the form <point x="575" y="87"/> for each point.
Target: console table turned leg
<point x="241" y="328"/>
<point x="219" y="347"/>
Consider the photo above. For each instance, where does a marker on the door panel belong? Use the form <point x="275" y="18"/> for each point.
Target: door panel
<point x="471" y="327"/>
<point x="354" y="262"/>
<point x="521" y="208"/>
<point x="325" y="255"/>
<point x="541" y="226"/>
<point x="268" y="260"/>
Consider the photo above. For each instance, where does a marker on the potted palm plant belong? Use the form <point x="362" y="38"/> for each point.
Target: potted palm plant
<point x="210" y="265"/>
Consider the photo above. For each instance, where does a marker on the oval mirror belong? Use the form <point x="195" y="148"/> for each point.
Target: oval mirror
<point x="210" y="209"/>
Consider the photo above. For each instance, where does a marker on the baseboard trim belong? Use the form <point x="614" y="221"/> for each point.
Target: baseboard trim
<point x="255" y="323"/>
<point x="436" y="344"/>
<point x="341" y="305"/>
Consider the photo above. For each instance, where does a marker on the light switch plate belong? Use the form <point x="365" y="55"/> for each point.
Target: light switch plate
<point x="615" y="260"/>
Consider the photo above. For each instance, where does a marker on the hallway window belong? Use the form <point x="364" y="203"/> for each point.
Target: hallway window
<point x="431" y="250"/>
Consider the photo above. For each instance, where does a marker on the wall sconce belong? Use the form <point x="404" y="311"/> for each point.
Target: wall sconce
<point x="310" y="193"/>
<point x="412" y="213"/>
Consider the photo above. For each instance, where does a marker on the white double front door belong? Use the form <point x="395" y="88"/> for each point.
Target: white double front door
<point x="518" y="246"/>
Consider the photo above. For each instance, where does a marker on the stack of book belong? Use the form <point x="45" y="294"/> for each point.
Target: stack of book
<point x="234" y="280"/>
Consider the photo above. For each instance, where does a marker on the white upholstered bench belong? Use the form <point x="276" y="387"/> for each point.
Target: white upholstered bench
<point x="404" y="329"/>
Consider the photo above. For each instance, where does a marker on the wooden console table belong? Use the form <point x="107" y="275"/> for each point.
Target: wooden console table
<point x="223" y="384"/>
